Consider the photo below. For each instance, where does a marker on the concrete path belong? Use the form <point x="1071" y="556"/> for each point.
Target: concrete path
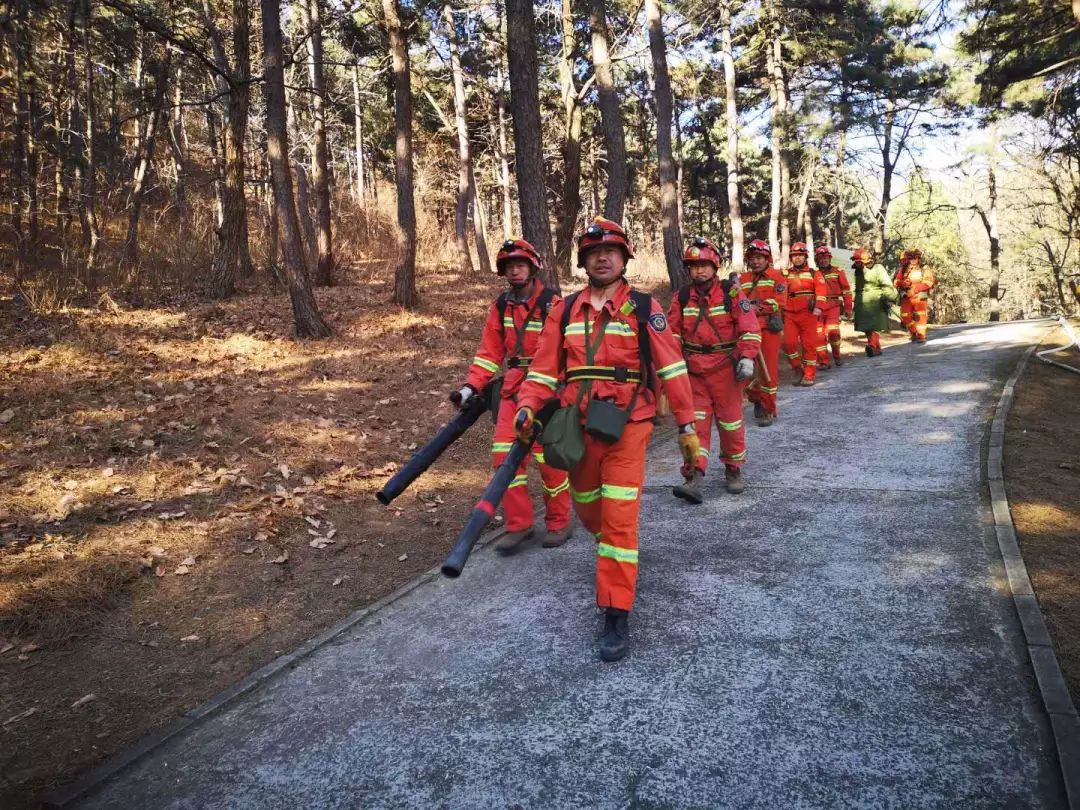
<point x="835" y="637"/>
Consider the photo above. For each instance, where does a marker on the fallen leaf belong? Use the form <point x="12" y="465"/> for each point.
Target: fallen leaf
<point x="107" y="472"/>
<point x="7" y="648"/>
<point x="248" y="550"/>
<point x="181" y="570"/>
<point x="83" y="700"/>
<point x="338" y="581"/>
<point x="282" y="559"/>
<point x="6" y="417"/>
<point x="403" y="558"/>
<point x="189" y="561"/>
<point x="20" y="716"/>
<point x="312" y="521"/>
<point x="284" y="470"/>
<point x="29" y="648"/>
<point x="189" y="639"/>
<point x="320" y="542"/>
<point x="159" y="571"/>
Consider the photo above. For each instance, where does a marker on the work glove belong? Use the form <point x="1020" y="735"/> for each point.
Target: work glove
<point x="462" y="395"/>
<point x="689" y="444"/>
<point x="525" y="424"/>
<point x="817" y="312"/>
<point x="744" y="369"/>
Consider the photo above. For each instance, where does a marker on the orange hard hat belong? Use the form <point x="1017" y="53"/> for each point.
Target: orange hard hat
<point x="603" y="232"/>
<point x="822" y="250"/>
<point x="517" y="249"/>
<point x="799" y="249"/>
<point x="759" y="246"/>
<point x="701" y="249"/>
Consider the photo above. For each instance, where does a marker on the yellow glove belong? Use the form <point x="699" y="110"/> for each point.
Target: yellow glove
<point x="524" y="424"/>
<point x="689" y="445"/>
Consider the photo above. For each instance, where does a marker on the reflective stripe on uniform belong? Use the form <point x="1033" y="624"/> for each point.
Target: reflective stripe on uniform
<point x="700" y="414"/>
<point x="501" y="447"/>
<point x="736" y="457"/>
<point x="519" y="481"/>
<point x="613" y="328"/>
<point x="553" y="491"/>
<point x="536" y="376"/>
<point x="623" y="555"/>
<point x="617" y="493"/>
<point x="730" y="425"/>
<point x="486" y="364"/>
<point x="703" y="452"/>
<point x="750" y="336"/>
<point x="585" y="497"/>
<point x="674" y="370"/>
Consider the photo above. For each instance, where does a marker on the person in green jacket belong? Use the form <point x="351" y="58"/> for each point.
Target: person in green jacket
<point x="875" y="295"/>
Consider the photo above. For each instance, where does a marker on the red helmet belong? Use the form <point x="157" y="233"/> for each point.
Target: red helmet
<point x="911" y="255"/>
<point x="799" y="249"/>
<point x="701" y="249"/>
<point x="517" y="249"/>
<point x="759" y="246"/>
<point x="822" y="250"/>
<point x="862" y="255"/>
<point x="602" y="232"/>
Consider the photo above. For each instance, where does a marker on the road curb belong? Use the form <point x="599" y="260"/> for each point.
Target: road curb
<point x="98" y="776"/>
<point x="1052" y="687"/>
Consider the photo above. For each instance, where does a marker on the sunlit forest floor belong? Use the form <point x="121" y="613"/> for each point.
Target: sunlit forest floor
<point x="1042" y="478"/>
<point x="186" y="492"/>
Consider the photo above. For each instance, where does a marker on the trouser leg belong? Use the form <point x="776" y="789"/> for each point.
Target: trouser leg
<point x="920" y="315"/>
<point x="556" y="493"/>
<point x="808" y="331"/>
<point x="763" y="392"/>
<point x="727" y="397"/>
<point x="790" y="340"/>
<point x="703" y="412"/>
<point x="622" y="472"/>
<point x="517" y="507"/>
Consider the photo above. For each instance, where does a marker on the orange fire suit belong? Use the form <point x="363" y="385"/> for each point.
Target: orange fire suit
<point x="806" y="292"/>
<point x="714" y="337"/>
<point x="767" y="292"/>
<point x="914" y="283"/>
<point x="838" y="302"/>
<point x="606" y="483"/>
<point x="513" y="336"/>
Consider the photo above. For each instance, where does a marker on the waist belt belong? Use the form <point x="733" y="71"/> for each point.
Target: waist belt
<point x="518" y="362"/>
<point x="619" y="374"/>
<point x="797" y="294"/>
<point x="712" y="348"/>
<point x="835" y="297"/>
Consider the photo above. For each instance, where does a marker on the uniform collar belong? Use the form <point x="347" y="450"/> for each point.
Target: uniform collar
<point x="622" y="294"/>
<point x="536" y="288"/>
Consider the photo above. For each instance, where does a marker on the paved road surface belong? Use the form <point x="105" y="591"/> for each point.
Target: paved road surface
<point x="835" y="637"/>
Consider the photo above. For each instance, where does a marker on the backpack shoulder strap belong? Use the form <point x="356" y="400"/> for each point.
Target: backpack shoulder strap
<point x="564" y="321"/>
<point x="500" y="303"/>
<point x="684" y="297"/>
<point x="643" y="309"/>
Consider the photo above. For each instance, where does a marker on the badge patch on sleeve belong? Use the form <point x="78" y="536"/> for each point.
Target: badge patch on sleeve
<point x="744" y="305"/>
<point x="781" y="287"/>
<point x="658" y="322"/>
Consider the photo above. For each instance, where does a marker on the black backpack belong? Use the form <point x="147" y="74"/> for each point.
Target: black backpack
<point x="726" y="284"/>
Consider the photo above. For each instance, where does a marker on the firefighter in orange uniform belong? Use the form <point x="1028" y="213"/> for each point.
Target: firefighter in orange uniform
<point x="720" y="338"/>
<point x="805" y="302"/>
<point x="610" y="343"/>
<point x="914" y="281"/>
<point x="511" y="333"/>
<point x="838" y="300"/>
<point x="901" y="283"/>
<point x="766" y="287"/>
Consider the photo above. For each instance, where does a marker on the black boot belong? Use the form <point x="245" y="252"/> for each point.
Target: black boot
<point x="615" y="642"/>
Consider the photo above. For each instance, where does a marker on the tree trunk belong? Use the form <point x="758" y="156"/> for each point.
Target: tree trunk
<point x="405" y="276"/>
<point x="610" y="116"/>
<point x="176" y="143"/>
<point x="571" y="197"/>
<point x="803" y="229"/>
<point x="160" y="71"/>
<point x="775" y="128"/>
<point x="479" y="227"/>
<point x="461" y="211"/>
<point x="839" y="240"/>
<point x="784" y="146"/>
<point x="90" y="174"/>
<point x="887" y="166"/>
<point x="230" y="250"/>
<point x="309" y="323"/>
<point x="20" y="114"/>
<point x="320" y="170"/>
<point x="358" y="134"/>
<point x="669" y="200"/>
<point x="528" y="154"/>
<point x="738" y="237"/>
<point x="503" y="142"/>
<point x="991" y="222"/>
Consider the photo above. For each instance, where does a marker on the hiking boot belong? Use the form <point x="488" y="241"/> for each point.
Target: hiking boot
<point x="733" y="479"/>
<point x="765" y="419"/>
<point x="511" y="542"/>
<point x="759" y="410"/>
<point x="869" y="351"/>
<point x="806" y="382"/>
<point x="556" y="537"/>
<point x="690" y="489"/>
<point x="615" y="642"/>
<point x="837" y="362"/>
